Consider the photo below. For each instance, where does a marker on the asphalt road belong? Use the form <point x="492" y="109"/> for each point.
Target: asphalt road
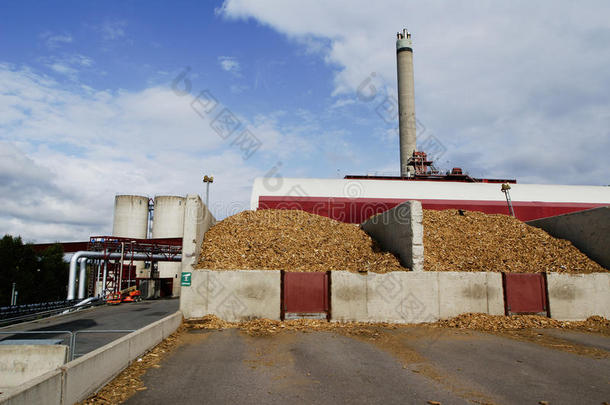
<point x="407" y="366"/>
<point x="127" y="316"/>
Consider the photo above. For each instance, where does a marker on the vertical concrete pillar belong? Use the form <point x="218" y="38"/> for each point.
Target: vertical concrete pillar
<point x="406" y="100"/>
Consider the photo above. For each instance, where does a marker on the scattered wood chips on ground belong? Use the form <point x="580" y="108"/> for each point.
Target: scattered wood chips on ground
<point x="472" y="321"/>
<point x="473" y="241"/>
<point x="492" y="323"/>
<point x="269" y="327"/>
<point x="129" y="381"/>
<point x="291" y="240"/>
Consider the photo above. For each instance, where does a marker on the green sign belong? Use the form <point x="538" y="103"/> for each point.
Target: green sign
<point x="185" y="280"/>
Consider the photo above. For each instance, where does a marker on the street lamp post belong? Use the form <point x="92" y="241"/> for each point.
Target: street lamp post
<point x="14" y="295"/>
<point x="207" y="180"/>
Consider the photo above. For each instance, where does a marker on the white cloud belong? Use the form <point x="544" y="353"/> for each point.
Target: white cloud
<point x="65" y="153"/>
<point x="63" y="69"/>
<point x="511" y="89"/>
<point x="112" y="30"/>
<point x="68" y="65"/>
<point x="229" y="64"/>
<point x="55" y="40"/>
<point x="237" y="88"/>
<point x="343" y="102"/>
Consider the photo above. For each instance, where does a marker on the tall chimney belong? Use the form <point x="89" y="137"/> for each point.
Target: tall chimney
<point x="406" y="100"/>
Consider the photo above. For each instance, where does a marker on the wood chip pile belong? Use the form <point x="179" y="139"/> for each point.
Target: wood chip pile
<point x="291" y="240"/>
<point x="476" y="241"/>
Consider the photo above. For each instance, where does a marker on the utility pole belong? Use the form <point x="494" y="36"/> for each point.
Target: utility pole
<point x="13" y="296"/>
<point x="207" y="180"/>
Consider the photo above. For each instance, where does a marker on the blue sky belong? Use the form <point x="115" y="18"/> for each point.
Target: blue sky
<point x="90" y="104"/>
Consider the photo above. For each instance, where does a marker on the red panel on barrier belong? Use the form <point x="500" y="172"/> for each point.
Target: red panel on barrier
<point x="525" y="293"/>
<point x="305" y="292"/>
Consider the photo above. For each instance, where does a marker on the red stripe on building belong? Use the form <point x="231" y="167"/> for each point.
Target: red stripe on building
<point x="357" y="210"/>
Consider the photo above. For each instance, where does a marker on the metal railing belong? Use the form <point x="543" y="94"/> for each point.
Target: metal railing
<point x="72" y="336"/>
<point x="48" y="332"/>
<point x="22" y="313"/>
<point x="25" y="309"/>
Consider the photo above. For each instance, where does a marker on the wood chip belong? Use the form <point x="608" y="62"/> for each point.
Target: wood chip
<point x="485" y="322"/>
<point x="482" y="242"/>
<point x="292" y="240"/>
<point x="129" y="381"/>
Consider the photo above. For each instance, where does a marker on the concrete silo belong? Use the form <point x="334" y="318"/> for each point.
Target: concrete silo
<point x="130" y="216"/>
<point x="168" y="222"/>
<point x="131" y="221"/>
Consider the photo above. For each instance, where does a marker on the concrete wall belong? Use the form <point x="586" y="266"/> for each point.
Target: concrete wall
<point x="81" y="377"/>
<point x="400" y="231"/>
<point x="20" y="363"/>
<point x="197" y="220"/>
<point x="461" y="292"/>
<point x="574" y="297"/>
<point x="91" y="371"/>
<point x="44" y="389"/>
<point x="233" y="295"/>
<point x="588" y="230"/>
<point x="409" y="297"/>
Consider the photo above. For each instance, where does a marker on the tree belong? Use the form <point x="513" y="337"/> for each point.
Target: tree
<point x="39" y="277"/>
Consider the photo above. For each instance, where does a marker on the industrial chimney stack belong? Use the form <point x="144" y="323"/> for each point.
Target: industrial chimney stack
<point x="406" y="101"/>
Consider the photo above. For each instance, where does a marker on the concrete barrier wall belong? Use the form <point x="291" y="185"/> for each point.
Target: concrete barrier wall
<point x="44" y="389"/>
<point x="402" y="297"/>
<point x="575" y="297"/>
<point x="80" y="378"/>
<point x="588" y="230"/>
<point x="19" y="363"/>
<point x="233" y="295"/>
<point x="410" y="297"/>
<point x="400" y="231"/>
<point x="461" y="292"/>
<point x="91" y="371"/>
<point x="197" y="220"/>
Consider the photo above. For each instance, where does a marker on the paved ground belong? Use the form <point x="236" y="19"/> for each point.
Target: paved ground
<point x="121" y="317"/>
<point x="409" y="366"/>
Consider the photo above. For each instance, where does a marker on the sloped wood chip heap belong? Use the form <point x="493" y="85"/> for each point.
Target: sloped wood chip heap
<point x="473" y="241"/>
<point x="291" y="240"/>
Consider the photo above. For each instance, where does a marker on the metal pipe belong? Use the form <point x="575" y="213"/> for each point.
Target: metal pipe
<point x="103" y="292"/>
<point x="160" y="257"/>
<point x="82" y="278"/>
<point x="121" y="268"/>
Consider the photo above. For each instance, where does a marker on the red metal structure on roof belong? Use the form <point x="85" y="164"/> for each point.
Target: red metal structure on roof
<point x="424" y="170"/>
